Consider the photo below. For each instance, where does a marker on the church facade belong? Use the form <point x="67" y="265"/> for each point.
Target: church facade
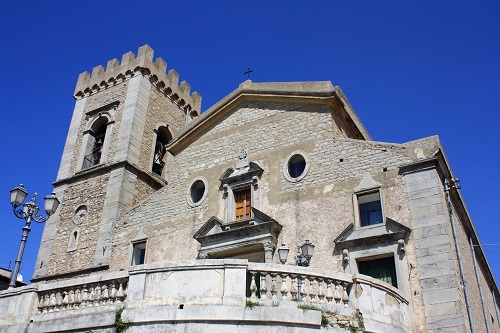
<point x="272" y="211"/>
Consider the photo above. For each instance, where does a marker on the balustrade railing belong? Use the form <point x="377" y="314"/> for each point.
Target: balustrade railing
<point x="277" y="282"/>
<point x="75" y="297"/>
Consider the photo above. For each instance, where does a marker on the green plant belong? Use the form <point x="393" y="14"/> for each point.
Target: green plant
<point x="324" y="320"/>
<point x="251" y="304"/>
<point x="120" y="325"/>
<point x="275" y="303"/>
<point x="307" y="307"/>
<point x="330" y="312"/>
<point x="351" y="328"/>
<point x="361" y="321"/>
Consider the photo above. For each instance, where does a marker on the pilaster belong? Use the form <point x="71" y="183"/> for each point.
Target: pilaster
<point x="437" y="268"/>
<point x="119" y="199"/>
<point x="72" y="139"/>
<point x="133" y="121"/>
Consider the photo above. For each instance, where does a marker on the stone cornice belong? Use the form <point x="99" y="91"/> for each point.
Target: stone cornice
<point x="69" y="274"/>
<point x="130" y="66"/>
<point x="104" y="168"/>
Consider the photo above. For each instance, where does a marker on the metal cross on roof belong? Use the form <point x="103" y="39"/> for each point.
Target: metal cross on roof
<point x="248" y="72"/>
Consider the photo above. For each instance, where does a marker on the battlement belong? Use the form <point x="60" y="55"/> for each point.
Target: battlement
<point x="117" y="72"/>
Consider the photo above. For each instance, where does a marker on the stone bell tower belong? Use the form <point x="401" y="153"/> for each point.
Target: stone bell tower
<point x="114" y="157"/>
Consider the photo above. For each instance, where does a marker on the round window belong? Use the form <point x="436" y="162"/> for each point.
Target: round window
<point x="197" y="191"/>
<point x="296" y="166"/>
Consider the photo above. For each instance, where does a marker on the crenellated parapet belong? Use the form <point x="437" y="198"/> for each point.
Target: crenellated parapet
<point x="117" y="72"/>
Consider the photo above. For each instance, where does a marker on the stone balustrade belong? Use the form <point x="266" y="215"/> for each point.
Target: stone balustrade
<point x="201" y="295"/>
<point x="105" y="290"/>
<point x="305" y="284"/>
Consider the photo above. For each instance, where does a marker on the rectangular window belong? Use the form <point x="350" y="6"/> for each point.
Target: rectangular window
<point x="370" y="209"/>
<point x="382" y="269"/>
<point x="243" y="200"/>
<point x="139" y="253"/>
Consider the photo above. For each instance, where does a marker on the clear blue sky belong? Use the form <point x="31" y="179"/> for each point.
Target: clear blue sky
<point x="410" y="70"/>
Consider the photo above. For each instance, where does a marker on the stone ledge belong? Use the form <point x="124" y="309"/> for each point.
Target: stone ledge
<point x="365" y="279"/>
<point x="70" y="321"/>
<point x="188" y="265"/>
<point x="71" y="274"/>
<point x="18" y="290"/>
<point x="217" y="314"/>
<point x="83" y="280"/>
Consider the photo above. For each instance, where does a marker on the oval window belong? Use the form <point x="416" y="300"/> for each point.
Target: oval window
<point x="197" y="191"/>
<point x="296" y="166"/>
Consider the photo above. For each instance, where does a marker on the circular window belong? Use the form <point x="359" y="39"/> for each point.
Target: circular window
<point x="197" y="191"/>
<point x="80" y="215"/>
<point x="296" y="166"/>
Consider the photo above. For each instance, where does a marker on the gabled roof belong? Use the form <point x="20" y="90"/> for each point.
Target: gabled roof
<point x="307" y="92"/>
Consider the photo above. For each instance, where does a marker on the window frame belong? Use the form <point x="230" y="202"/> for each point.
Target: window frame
<point x="73" y="241"/>
<point x="136" y="246"/>
<point x="89" y="137"/>
<point x="231" y="189"/>
<point x="246" y="208"/>
<point x="378" y="258"/>
<point x="161" y="130"/>
<point x="286" y="164"/>
<point x="189" y="199"/>
<point x="357" y="210"/>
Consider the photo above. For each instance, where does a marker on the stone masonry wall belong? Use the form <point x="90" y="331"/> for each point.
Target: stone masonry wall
<point x="317" y="208"/>
<point x="62" y="260"/>
<point x="94" y="187"/>
<point x="472" y="284"/>
<point x="161" y="110"/>
<point x="114" y="94"/>
<point x="437" y="269"/>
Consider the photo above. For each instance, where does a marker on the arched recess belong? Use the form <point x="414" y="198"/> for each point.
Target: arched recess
<point x="96" y="141"/>
<point x="159" y="155"/>
<point x="74" y="237"/>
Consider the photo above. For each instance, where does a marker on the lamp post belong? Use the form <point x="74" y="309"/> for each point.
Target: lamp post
<point x="28" y="213"/>
<point x="305" y="252"/>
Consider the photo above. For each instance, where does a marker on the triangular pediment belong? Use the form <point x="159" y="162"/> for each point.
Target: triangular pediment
<point x="390" y="230"/>
<point x="273" y="92"/>
<point x="230" y="175"/>
<point x="212" y="226"/>
<point x="367" y="183"/>
<point x="216" y="237"/>
<point x="140" y="236"/>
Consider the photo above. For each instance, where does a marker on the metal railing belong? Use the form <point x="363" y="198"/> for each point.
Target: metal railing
<point x="91" y="160"/>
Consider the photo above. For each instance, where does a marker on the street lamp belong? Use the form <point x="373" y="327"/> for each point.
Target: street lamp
<point x="283" y="253"/>
<point x="28" y="213"/>
<point x="305" y="252"/>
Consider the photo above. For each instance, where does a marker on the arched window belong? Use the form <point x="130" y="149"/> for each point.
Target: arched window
<point x="95" y="143"/>
<point x="74" y="237"/>
<point x="163" y="137"/>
